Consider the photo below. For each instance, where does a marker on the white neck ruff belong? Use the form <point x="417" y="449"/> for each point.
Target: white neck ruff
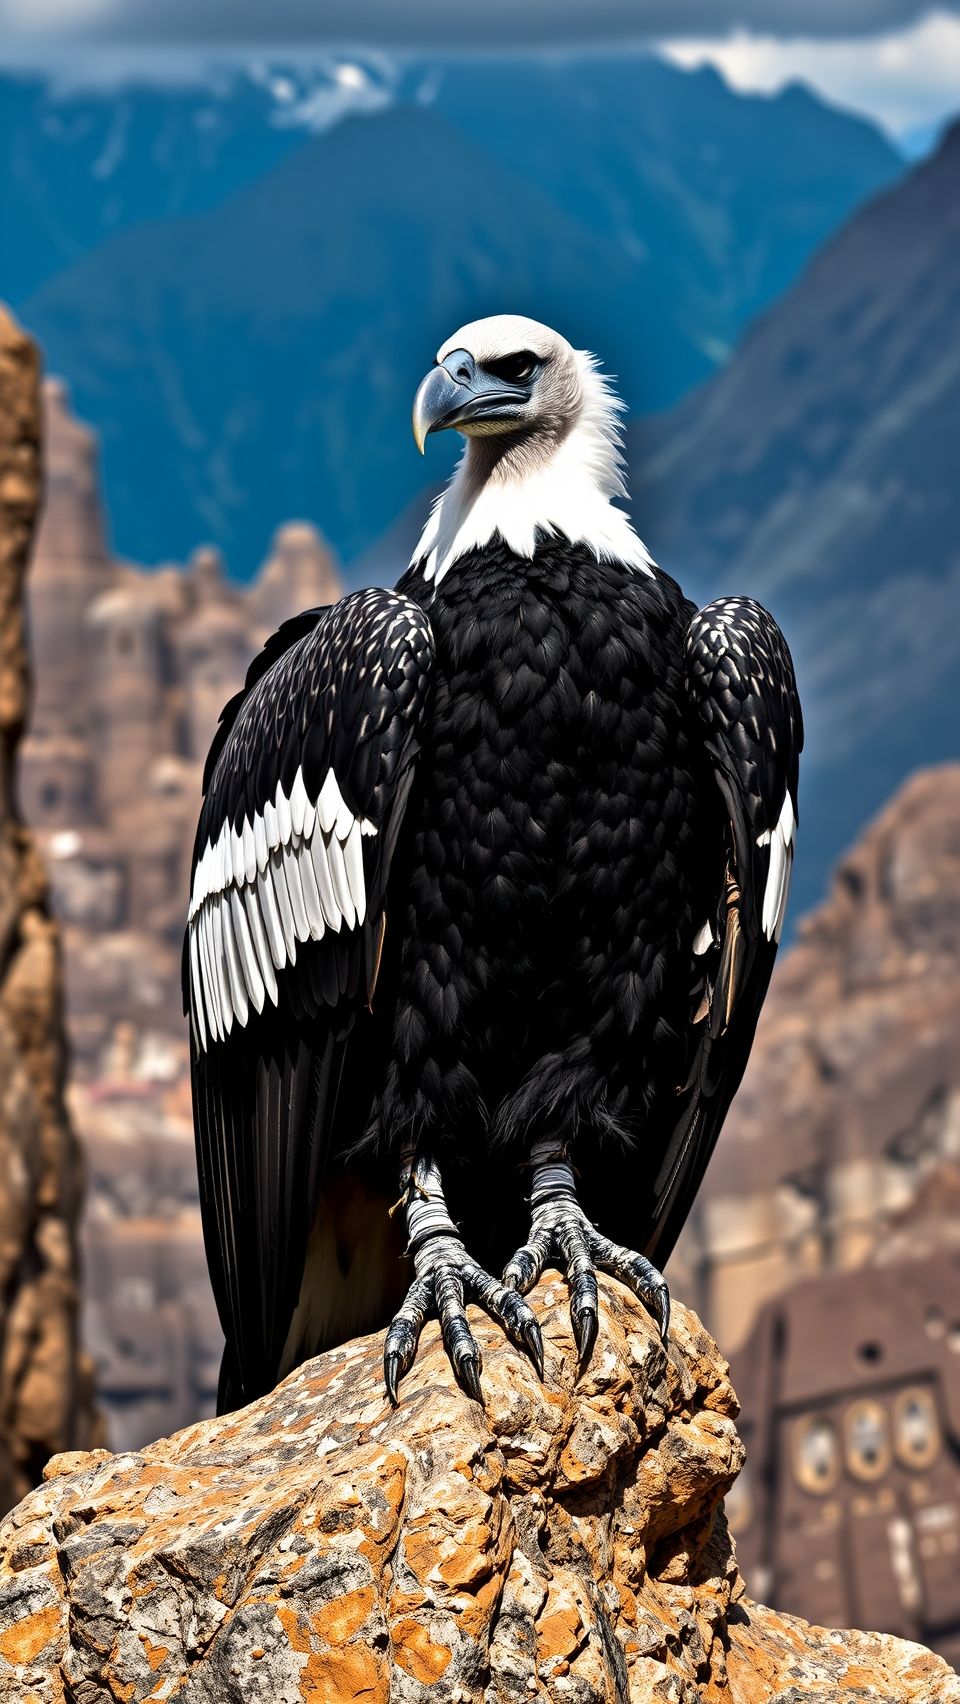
<point x="569" y="492"/>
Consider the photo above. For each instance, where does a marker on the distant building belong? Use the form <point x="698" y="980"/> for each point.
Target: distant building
<point x="848" y="1511"/>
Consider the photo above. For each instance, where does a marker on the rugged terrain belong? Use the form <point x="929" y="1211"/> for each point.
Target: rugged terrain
<point x="45" y="1395"/>
<point x="565" y="1542"/>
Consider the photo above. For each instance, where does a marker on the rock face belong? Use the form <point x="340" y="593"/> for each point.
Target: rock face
<point x="45" y="1400"/>
<point x="566" y="1542"/>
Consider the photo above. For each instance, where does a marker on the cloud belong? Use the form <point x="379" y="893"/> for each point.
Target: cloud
<point x="895" y="60"/>
<point x="346" y="88"/>
<point x="907" y="79"/>
<point x="437" y="23"/>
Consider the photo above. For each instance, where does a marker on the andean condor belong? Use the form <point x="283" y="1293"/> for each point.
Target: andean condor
<point x="488" y="884"/>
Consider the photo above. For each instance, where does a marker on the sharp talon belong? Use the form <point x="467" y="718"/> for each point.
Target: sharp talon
<point x="661" y="1313"/>
<point x="469" y="1374"/>
<point x="533" y="1341"/>
<point x="585" y="1328"/>
<point x="398" y="1353"/>
<point x="391" y="1375"/>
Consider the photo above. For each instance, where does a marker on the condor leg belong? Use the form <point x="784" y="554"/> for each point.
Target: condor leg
<point x="561" y="1234"/>
<point x="445" y="1280"/>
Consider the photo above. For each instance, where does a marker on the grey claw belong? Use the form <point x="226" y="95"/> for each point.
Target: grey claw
<point x="660" y="1308"/>
<point x="403" y="1336"/>
<point x="533" y="1342"/>
<point x="468" y="1372"/>
<point x="518" y="1321"/>
<point x="392" y="1374"/>
<point x="585" y="1324"/>
<point x="639" y="1274"/>
<point x="398" y="1353"/>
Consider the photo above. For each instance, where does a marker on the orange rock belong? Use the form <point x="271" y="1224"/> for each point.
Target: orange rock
<point x="25" y="1640"/>
<point x="155" y="1654"/>
<point x="340" y="1620"/>
<point x="415" y="1651"/>
<point x="339" y="1677"/>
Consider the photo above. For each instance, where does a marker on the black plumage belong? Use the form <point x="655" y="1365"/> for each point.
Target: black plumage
<point x="572" y="789"/>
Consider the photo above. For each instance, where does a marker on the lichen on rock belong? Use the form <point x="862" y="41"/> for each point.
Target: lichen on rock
<point x="565" y="1542"/>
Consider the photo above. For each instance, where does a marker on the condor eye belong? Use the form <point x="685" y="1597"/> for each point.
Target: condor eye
<point x="514" y="369"/>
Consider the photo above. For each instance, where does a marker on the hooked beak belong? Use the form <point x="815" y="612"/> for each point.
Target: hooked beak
<point x="457" y="393"/>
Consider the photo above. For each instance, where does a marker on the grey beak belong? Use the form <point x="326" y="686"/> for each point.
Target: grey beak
<point x="439" y="398"/>
<point x="459" y="391"/>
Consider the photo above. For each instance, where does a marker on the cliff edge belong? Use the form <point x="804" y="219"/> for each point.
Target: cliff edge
<point x="45" y="1397"/>
<point x="565" y="1542"/>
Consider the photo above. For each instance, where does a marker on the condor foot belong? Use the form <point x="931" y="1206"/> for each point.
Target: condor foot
<point x="561" y="1233"/>
<point x="446" y="1279"/>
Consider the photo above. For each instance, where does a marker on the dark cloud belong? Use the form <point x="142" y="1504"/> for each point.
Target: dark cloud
<point x="436" y="23"/>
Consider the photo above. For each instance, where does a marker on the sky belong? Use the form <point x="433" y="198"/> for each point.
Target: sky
<point x="898" y="61"/>
<point x="907" y="79"/>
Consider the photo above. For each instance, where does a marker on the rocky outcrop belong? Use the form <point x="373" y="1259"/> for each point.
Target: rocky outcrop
<point x="45" y="1401"/>
<point x="565" y="1542"/>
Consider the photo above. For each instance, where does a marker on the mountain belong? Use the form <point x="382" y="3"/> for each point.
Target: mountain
<point x="260" y="360"/>
<point x="818" y="472"/>
<point x="256" y="356"/>
<point x="86" y="160"/>
<point x="80" y="167"/>
<point x="722" y="196"/>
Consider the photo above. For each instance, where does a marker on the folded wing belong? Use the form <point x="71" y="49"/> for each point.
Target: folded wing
<point x="743" y="698"/>
<point x="304" y="794"/>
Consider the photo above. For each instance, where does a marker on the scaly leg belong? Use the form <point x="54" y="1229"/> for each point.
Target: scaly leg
<point x="445" y="1278"/>
<point x="560" y="1231"/>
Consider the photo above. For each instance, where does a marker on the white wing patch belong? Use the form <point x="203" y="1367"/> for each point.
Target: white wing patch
<point x="780" y="841"/>
<point x="289" y="875"/>
<point x="703" y="939"/>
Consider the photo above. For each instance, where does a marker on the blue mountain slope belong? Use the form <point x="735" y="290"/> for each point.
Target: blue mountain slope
<point x="78" y="168"/>
<point x="818" y="472"/>
<point x="260" y="360"/>
<point x="256" y="358"/>
<point x="725" y="195"/>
